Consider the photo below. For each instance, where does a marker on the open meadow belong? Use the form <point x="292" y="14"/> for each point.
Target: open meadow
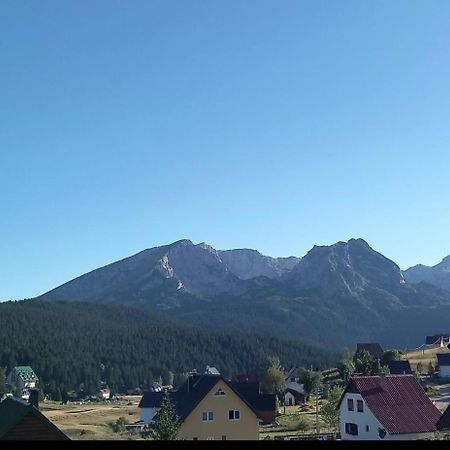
<point x="93" y="420"/>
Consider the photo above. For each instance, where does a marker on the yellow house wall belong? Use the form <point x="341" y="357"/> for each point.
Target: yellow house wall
<point x="247" y="427"/>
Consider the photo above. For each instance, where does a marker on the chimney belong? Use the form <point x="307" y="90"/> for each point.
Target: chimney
<point x="34" y="398"/>
<point x="383" y="382"/>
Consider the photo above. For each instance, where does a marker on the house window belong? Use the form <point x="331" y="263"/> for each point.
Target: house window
<point x="207" y="416"/>
<point x="224" y="438"/>
<point x="359" y="405"/>
<point x="351" y="428"/>
<point x="350" y="404"/>
<point x="220" y="392"/>
<point x="234" y="415"/>
<point x="195" y="438"/>
<point x="367" y="428"/>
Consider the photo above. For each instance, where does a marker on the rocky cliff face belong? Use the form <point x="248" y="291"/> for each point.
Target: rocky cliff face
<point x="345" y="266"/>
<point x="247" y="264"/>
<point x="178" y="267"/>
<point x="439" y="275"/>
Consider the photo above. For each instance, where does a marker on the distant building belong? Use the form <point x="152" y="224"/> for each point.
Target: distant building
<point x="443" y="360"/>
<point x="213" y="408"/>
<point x="442" y="339"/>
<point x="294" y="392"/>
<point x="373" y="348"/>
<point x="22" y="378"/>
<point x="20" y="420"/>
<point x="211" y="370"/>
<point x="399" y="367"/>
<point x="104" y="393"/>
<point x="392" y="407"/>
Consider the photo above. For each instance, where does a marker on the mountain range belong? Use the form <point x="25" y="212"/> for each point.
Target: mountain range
<point x="334" y="296"/>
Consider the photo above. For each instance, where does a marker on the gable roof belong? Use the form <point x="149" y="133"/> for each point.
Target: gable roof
<point x="399" y="367"/>
<point x="444" y="421"/>
<point x="151" y="400"/>
<point x="297" y="395"/>
<point x="25" y="373"/>
<point x="443" y="359"/>
<point x="292" y="371"/>
<point x="403" y="407"/>
<point x="251" y="393"/>
<point x="190" y="394"/>
<point x="373" y="348"/>
<point x="13" y="410"/>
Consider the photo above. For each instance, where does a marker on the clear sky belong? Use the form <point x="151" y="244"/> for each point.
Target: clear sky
<point x="273" y="125"/>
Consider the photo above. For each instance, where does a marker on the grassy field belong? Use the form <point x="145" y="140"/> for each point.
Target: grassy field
<point x="294" y="421"/>
<point x="92" y="420"/>
<point x="424" y="356"/>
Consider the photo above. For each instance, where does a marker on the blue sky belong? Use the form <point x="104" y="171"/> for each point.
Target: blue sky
<point x="273" y="125"/>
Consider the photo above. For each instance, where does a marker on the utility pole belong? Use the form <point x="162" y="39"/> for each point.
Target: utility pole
<point x="317" y="410"/>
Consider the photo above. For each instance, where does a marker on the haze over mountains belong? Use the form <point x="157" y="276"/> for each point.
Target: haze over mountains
<point x="335" y="295"/>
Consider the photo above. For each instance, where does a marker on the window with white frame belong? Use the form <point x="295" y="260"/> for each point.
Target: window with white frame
<point x="207" y="416"/>
<point x="234" y="414"/>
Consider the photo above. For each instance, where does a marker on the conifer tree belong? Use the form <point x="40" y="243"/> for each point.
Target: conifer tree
<point x="167" y="423"/>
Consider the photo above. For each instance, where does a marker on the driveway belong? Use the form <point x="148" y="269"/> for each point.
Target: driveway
<point x="443" y="400"/>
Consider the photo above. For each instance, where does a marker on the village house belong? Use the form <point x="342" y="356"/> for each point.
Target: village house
<point x="294" y="393"/>
<point x="213" y="408"/>
<point x="392" y="407"/>
<point x="22" y="379"/>
<point x="373" y="348"/>
<point x="443" y="361"/>
<point x="20" y="420"/>
<point x="104" y="393"/>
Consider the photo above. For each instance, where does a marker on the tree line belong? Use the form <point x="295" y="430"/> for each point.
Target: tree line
<point x="81" y="346"/>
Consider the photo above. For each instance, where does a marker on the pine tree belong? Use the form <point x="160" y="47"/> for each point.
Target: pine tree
<point x="167" y="423"/>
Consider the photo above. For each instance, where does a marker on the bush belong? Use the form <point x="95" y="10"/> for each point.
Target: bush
<point x="119" y="425"/>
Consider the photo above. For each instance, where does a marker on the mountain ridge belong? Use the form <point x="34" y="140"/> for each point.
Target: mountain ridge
<point x="347" y="290"/>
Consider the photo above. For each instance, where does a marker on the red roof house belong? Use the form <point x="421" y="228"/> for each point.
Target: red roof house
<point x="386" y="407"/>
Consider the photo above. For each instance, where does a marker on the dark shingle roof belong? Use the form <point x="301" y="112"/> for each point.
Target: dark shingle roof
<point x="251" y="393"/>
<point x="399" y="367"/>
<point x="444" y="421"/>
<point x="13" y="410"/>
<point x="436" y="338"/>
<point x="151" y="400"/>
<point x="403" y="407"/>
<point x="373" y="348"/>
<point x="443" y="359"/>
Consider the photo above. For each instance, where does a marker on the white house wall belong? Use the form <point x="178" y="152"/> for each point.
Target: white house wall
<point x="288" y="396"/>
<point x="368" y="418"/>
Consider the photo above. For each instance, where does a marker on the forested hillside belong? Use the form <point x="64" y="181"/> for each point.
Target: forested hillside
<point x="75" y="346"/>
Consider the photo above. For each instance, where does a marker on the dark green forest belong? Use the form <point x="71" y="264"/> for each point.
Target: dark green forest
<point x="78" y="346"/>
